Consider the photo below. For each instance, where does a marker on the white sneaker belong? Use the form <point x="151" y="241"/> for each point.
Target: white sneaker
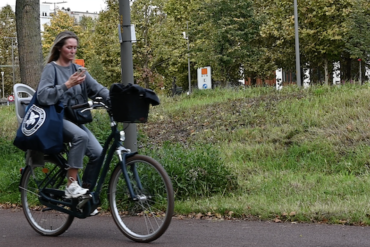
<point x="96" y="212"/>
<point x="74" y="190"/>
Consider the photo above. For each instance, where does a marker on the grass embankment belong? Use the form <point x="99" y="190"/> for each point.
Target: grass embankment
<point x="299" y="155"/>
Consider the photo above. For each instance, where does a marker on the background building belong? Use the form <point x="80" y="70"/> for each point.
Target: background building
<point x="77" y="16"/>
<point x="46" y="12"/>
<point x="45" y="17"/>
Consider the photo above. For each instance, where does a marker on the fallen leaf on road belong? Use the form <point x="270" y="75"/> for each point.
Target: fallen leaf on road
<point x="198" y="216"/>
<point x="276" y="220"/>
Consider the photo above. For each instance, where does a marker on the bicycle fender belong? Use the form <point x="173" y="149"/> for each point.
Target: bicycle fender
<point x="128" y="155"/>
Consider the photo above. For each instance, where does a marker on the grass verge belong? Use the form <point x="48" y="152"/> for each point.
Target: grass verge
<point x="293" y="155"/>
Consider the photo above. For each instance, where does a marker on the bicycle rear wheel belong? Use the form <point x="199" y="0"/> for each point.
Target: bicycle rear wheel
<point x="148" y="217"/>
<point x="42" y="219"/>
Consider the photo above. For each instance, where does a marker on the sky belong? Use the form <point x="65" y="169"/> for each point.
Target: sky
<point x="74" y="5"/>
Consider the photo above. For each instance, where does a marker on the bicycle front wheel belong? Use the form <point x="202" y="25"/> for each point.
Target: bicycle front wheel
<point x="42" y="219"/>
<point x="147" y="217"/>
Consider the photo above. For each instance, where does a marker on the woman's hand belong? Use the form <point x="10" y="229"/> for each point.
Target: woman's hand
<point x="75" y="79"/>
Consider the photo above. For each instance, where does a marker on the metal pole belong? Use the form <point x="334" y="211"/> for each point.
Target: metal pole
<point x="127" y="66"/>
<point x="360" y="72"/>
<point x="12" y="56"/>
<point x="298" y="61"/>
<point x="189" y="75"/>
<point x="13" y="61"/>
<point x="2" y="75"/>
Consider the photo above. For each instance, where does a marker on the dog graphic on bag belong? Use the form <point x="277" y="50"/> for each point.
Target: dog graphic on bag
<point x="34" y="119"/>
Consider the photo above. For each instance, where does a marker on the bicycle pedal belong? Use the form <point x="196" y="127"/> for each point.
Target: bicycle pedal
<point x="84" y="197"/>
<point x="82" y="200"/>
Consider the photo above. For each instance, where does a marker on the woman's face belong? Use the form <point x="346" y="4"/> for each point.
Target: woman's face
<point x="69" y="49"/>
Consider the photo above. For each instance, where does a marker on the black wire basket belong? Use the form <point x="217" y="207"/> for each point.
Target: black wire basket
<point x="130" y="103"/>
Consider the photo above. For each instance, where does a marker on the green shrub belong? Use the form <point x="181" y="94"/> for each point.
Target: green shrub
<point x="12" y="159"/>
<point x="196" y="171"/>
<point x="100" y="126"/>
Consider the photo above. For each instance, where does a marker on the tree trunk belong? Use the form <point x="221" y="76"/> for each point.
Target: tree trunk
<point x="348" y="68"/>
<point x="27" y="14"/>
<point x="326" y="69"/>
<point x="254" y="79"/>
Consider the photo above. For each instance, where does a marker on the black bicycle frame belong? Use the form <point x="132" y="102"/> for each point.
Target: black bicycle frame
<point x="107" y="155"/>
<point x="117" y="143"/>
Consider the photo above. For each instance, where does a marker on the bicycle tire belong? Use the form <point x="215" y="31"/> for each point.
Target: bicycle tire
<point x="148" y="218"/>
<point x="43" y="220"/>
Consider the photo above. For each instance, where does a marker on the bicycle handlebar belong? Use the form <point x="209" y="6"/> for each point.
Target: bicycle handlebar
<point x="90" y="105"/>
<point x="84" y="105"/>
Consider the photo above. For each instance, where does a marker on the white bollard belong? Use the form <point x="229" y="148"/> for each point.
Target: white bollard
<point x="306" y="79"/>
<point x="367" y="74"/>
<point x="336" y="73"/>
<point x="279" y="79"/>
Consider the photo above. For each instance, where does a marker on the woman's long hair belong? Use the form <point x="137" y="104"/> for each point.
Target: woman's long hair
<point x="58" y="44"/>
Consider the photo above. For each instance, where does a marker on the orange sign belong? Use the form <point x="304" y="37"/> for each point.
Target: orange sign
<point x="204" y="71"/>
<point x="80" y="62"/>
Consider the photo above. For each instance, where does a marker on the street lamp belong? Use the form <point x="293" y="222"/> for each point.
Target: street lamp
<point x="2" y="75"/>
<point x="12" y="55"/>
<point x="187" y="37"/>
<point x="298" y="62"/>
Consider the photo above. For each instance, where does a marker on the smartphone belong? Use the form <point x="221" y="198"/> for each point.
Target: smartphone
<point x="80" y="70"/>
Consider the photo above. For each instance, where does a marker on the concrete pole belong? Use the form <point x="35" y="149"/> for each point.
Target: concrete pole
<point x="298" y="60"/>
<point x="127" y="66"/>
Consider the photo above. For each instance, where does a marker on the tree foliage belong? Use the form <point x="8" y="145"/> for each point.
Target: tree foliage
<point x="222" y="34"/>
<point x="105" y="50"/>
<point x="59" y="23"/>
<point x="237" y="38"/>
<point x="146" y="15"/>
<point x="357" y="39"/>
<point x="7" y="38"/>
<point x="322" y="31"/>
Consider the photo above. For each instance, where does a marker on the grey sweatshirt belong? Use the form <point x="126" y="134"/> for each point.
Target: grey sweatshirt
<point x="48" y="94"/>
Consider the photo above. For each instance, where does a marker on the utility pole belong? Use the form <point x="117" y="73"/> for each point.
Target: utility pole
<point x="297" y="53"/>
<point x="54" y="4"/>
<point x="12" y="56"/>
<point x="127" y="65"/>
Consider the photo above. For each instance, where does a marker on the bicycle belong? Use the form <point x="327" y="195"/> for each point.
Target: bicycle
<point x="140" y="192"/>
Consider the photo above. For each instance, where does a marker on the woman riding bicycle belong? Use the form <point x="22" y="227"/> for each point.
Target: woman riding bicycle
<point x="60" y="82"/>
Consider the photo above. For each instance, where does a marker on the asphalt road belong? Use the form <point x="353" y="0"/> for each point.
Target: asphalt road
<point x="101" y="231"/>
